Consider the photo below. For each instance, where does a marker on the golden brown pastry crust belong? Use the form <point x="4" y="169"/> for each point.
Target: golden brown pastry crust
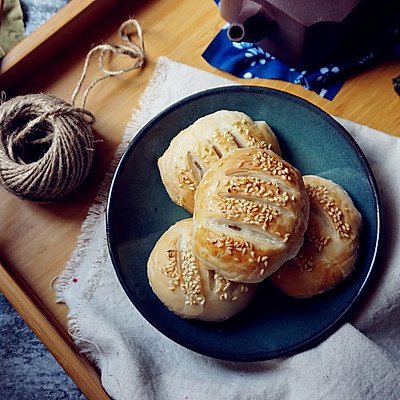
<point x="195" y="149"/>
<point x="251" y="212"/>
<point x="332" y="239"/>
<point x="188" y="289"/>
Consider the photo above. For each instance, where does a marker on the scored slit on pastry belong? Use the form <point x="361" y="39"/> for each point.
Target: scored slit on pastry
<point x="243" y="231"/>
<point x="196" y="165"/>
<point x="260" y="190"/>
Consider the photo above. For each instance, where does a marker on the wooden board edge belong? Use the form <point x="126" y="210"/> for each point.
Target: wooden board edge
<point x="81" y="371"/>
<point x="61" y="29"/>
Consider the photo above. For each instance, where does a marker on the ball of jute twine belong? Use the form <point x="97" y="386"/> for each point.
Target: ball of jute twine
<point x="47" y="144"/>
<point x="46" y="147"/>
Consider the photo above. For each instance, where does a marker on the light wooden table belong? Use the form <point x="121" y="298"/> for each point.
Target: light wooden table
<point x="36" y="240"/>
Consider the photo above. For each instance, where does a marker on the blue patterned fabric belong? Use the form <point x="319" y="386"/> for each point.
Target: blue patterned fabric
<point x="246" y="60"/>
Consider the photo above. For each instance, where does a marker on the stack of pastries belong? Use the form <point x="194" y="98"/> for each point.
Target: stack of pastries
<point x="255" y="217"/>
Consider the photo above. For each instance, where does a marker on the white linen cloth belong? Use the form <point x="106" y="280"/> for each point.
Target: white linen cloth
<point x="361" y="360"/>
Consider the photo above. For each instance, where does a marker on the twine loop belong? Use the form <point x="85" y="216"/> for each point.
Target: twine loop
<point x="129" y="48"/>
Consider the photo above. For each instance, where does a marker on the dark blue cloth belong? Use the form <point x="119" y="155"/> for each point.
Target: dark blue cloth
<point x="246" y="60"/>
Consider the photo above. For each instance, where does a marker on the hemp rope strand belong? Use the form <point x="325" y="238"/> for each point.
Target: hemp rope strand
<point x="46" y="144"/>
<point x="130" y="49"/>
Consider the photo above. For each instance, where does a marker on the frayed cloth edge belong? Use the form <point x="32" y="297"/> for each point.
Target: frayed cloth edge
<point x="138" y="119"/>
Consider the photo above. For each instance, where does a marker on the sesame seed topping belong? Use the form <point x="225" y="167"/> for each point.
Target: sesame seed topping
<point x="321" y="195"/>
<point x="305" y="263"/>
<point x="251" y="212"/>
<point x="260" y="190"/>
<point x="313" y="236"/>
<point x="186" y="275"/>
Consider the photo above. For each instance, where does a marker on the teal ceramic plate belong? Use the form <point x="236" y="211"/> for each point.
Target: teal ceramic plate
<point x="139" y="211"/>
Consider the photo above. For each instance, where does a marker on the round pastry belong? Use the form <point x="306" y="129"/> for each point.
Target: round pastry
<point x="251" y="212"/>
<point x="192" y="152"/>
<point x="331" y="242"/>
<point x="188" y="289"/>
